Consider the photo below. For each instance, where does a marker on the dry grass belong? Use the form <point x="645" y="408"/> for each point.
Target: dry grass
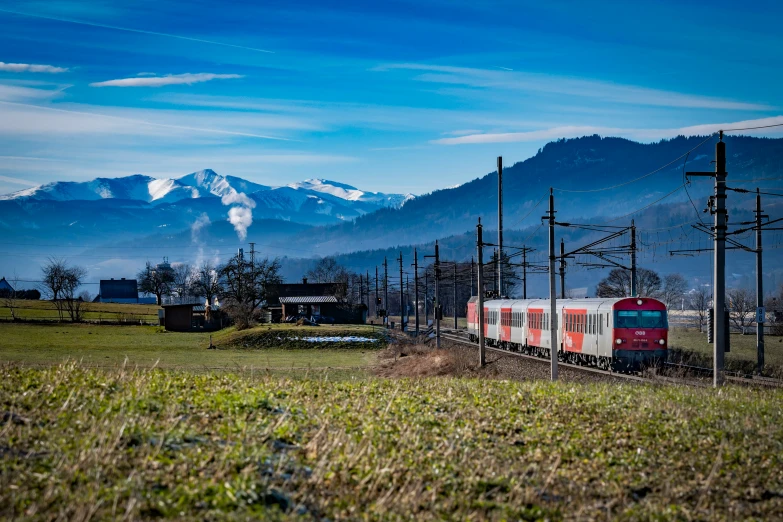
<point x="77" y="444"/>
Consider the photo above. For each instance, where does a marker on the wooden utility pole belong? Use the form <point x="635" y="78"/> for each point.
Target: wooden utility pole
<point x="416" y="286"/>
<point x="480" y="304"/>
<point x="455" y="295"/>
<point x="402" y="296"/>
<point x="386" y="289"/>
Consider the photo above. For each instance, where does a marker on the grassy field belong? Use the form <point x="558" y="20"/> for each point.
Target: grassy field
<point x="743" y="349"/>
<point x="147" y="346"/>
<point x="45" y="310"/>
<point x="79" y="443"/>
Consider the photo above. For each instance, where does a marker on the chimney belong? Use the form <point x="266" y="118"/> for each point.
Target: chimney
<point x="304" y="280"/>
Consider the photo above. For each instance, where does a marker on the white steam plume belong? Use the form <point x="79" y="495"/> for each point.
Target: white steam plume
<point x="195" y="229"/>
<point x="241" y="215"/>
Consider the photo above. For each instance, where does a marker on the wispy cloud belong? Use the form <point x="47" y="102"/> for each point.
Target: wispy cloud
<point x="132" y="30"/>
<point x="503" y="80"/>
<point x="23" y="120"/>
<point x="31" y="67"/>
<point x="575" y="131"/>
<point x="17" y="181"/>
<point x="20" y="93"/>
<point x="160" y="81"/>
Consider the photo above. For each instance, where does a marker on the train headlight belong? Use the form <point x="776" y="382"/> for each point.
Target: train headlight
<point x="662" y="342"/>
<point x="639" y="302"/>
<point x="618" y="341"/>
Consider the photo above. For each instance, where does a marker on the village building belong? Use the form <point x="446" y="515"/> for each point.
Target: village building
<point x="5" y="285"/>
<point x="118" y="291"/>
<point x="322" y="302"/>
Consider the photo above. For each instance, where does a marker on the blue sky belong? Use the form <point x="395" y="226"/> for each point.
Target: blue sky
<point x="399" y="96"/>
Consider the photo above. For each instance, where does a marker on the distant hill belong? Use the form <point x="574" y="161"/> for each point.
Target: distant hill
<point x="581" y="166"/>
<point x="113" y="225"/>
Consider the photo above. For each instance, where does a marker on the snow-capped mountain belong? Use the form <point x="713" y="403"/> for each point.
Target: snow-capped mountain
<point x="349" y="193"/>
<point x="207" y="183"/>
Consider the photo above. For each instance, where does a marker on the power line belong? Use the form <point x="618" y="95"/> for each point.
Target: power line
<point x="641" y="177"/>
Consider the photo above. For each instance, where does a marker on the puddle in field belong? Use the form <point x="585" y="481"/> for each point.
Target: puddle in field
<point x="345" y="339"/>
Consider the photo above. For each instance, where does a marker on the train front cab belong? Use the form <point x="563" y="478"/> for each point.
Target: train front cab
<point x="640" y="333"/>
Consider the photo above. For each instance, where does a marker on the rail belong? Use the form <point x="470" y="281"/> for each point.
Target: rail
<point x="734" y="377"/>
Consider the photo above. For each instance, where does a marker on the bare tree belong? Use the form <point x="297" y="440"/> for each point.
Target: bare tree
<point x="674" y="288"/>
<point x="11" y="297"/>
<point x="346" y="283"/>
<point x="618" y="284"/>
<point x="60" y="282"/>
<point x="246" y="286"/>
<point x="700" y="300"/>
<point x="206" y="282"/>
<point x="742" y="307"/>
<point x="182" y="279"/>
<point x="154" y="281"/>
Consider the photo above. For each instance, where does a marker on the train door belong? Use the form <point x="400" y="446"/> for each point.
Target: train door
<point x="504" y="328"/>
<point x="535" y="318"/>
<point x="574" y="329"/>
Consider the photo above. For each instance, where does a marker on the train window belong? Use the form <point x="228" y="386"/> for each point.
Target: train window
<point x="653" y="319"/>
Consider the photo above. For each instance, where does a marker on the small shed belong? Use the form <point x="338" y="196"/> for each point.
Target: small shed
<point x="192" y="318"/>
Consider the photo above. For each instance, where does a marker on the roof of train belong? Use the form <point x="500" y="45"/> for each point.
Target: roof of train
<point x="591" y="303"/>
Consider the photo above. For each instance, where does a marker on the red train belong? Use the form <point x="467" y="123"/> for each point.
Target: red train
<point x="621" y="334"/>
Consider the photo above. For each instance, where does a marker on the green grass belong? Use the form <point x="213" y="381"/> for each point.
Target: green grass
<point x="78" y="443"/>
<point x="743" y="349"/>
<point x="113" y="312"/>
<point x="147" y="346"/>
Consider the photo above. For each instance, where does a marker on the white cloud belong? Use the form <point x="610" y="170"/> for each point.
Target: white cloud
<point x="19" y="93"/>
<point x="160" y="81"/>
<point x="575" y="131"/>
<point x="31" y="67"/>
<point x="502" y="80"/>
<point x="18" y="181"/>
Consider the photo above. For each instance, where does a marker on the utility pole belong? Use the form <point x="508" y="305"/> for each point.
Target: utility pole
<point x="455" y="295"/>
<point x="438" y="312"/>
<point x="361" y="288"/>
<point x="553" y="349"/>
<point x="759" y="289"/>
<point x="480" y="245"/>
<point x="376" y="291"/>
<point x="524" y="272"/>
<point x="407" y="300"/>
<point x="500" y="226"/>
<point x="717" y="206"/>
<point x="562" y="269"/>
<point x="495" y="289"/>
<point x="386" y="289"/>
<point x="634" y="281"/>
<point x="402" y="296"/>
<point x="472" y="274"/>
<point x="426" y="296"/>
<point x="416" y="286"/>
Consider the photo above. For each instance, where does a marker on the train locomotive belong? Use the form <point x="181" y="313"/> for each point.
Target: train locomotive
<point x="624" y="334"/>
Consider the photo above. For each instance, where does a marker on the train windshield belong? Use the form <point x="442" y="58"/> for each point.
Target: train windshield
<point x="640" y="319"/>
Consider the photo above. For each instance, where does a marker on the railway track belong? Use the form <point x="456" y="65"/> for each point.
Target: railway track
<point x="457" y="337"/>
